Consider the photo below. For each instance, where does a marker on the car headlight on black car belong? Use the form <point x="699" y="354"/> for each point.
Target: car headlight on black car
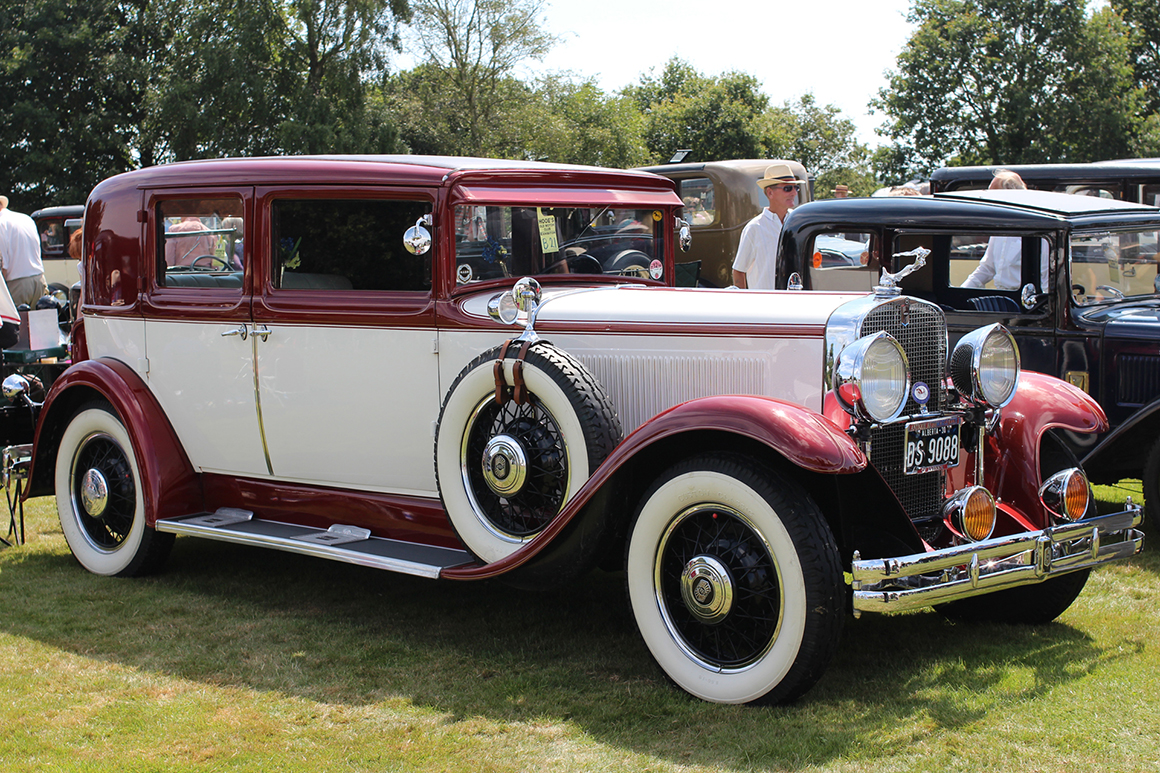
<point x="872" y="378"/>
<point x="985" y="366"/>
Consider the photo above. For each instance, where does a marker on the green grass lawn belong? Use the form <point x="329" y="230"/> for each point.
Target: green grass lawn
<point x="241" y="659"/>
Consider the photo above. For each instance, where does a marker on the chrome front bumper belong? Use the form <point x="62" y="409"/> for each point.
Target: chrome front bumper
<point x="925" y="579"/>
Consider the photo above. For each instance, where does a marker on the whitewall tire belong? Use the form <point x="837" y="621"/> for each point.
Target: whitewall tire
<point x="734" y="581"/>
<point x="99" y="498"/>
<point x="505" y="470"/>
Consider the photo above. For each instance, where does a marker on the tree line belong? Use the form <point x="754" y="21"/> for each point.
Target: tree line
<point x="98" y="87"/>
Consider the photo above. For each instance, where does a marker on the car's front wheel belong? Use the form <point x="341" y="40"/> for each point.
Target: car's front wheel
<point x="99" y="498"/>
<point x="734" y="580"/>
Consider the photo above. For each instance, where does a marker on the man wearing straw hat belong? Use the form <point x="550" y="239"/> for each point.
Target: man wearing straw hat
<point x="755" y="265"/>
<point x="20" y="256"/>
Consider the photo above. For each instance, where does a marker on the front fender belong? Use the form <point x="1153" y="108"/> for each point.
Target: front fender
<point x="1041" y="403"/>
<point x="802" y="436"/>
<point x="171" y="486"/>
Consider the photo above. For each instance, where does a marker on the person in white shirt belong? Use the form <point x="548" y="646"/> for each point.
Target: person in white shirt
<point x="20" y="256"/>
<point x="1003" y="260"/>
<point x="755" y="266"/>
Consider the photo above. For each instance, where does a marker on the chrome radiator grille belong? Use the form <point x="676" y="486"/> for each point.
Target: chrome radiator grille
<point x="921" y="330"/>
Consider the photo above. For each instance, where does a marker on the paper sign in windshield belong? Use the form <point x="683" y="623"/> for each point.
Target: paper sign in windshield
<point x="548" y="241"/>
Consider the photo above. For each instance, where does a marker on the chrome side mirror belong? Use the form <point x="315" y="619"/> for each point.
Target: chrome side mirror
<point x="1028" y="297"/>
<point x="525" y="296"/>
<point x="18" y="388"/>
<point x="417" y="239"/>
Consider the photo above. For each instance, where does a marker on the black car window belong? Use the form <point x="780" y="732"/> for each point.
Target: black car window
<point x="347" y="244"/>
<point x="1109" y="265"/>
<point x="847" y="262"/>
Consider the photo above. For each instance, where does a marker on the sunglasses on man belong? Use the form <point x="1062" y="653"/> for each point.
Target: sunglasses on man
<point x="788" y="188"/>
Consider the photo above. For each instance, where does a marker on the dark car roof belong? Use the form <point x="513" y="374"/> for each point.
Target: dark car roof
<point x="68" y="210"/>
<point x="973" y="210"/>
<point x="1141" y="169"/>
<point x="419" y="170"/>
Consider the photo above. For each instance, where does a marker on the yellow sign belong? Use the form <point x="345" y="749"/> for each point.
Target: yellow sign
<point x="548" y="242"/>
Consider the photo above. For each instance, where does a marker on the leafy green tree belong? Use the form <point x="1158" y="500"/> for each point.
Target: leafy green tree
<point x="253" y="77"/>
<point x="1143" y="20"/>
<point x="471" y="50"/>
<point x="73" y="81"/>
<point x="1010" y="81"/>
<point x="715" y="117"/>
<point x="575" y="122"/>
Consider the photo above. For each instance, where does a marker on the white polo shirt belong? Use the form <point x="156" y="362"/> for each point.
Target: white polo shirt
<point x="757" y="252"/>
<point x="19" y="246"/>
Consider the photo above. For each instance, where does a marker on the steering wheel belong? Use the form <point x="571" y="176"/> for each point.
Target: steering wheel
<point x="211" y="259"/>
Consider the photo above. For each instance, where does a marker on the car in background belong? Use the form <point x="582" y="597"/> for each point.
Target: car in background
<point x="1136" y="180"/>
<point x="720" y="197"/>
<point x="1094" y="323"/>
<point x="56" y="226"/>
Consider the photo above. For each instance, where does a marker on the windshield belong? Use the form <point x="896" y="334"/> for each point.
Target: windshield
<point x="1109" y="265"/>
<point x="495" y="241"/>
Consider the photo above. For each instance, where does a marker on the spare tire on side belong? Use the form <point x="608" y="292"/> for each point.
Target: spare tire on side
<point x="506" y="469"/>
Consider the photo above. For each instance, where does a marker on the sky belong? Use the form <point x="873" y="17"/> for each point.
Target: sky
<point x="838" y="50"/>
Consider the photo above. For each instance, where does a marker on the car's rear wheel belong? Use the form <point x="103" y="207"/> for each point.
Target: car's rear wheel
<point x="734" y="581"/>
<point x="506" y="469"/>
<point x="99" y="499"/>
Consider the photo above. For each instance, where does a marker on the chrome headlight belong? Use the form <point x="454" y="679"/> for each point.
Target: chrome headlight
<point x="872" y="378"/>
<point x="985" y="366"/>
<point x="1066" y="494"/>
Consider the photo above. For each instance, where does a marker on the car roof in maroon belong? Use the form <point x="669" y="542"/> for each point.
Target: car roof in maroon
<point x="396" y="169"/>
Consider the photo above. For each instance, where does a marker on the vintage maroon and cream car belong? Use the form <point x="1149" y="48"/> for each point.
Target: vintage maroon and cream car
<point x="463" y="369"/>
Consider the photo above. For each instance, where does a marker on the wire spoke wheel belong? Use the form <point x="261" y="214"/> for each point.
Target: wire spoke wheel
<point x="103" y="491"/>
<point x="719" y="587"/>
<point x="534" y="451"/>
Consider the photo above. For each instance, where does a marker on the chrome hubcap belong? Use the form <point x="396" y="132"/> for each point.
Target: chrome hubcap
<point x="707" y="589"/>
<point x="505" y="465"/>
<point x="94" y="493"/>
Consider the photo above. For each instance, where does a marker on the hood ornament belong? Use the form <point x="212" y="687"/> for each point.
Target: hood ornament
<point x="888" y="283"/>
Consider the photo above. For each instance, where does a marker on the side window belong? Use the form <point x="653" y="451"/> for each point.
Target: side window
<point x="1150" y="195"/>
<point x="1098" y="190"/>
<point x="1002" y="263"/>
<point x="199" y="243"/>
<point x="845" y="262"/>
<point x="347" y="244"/>
<point x="700" y="204"/>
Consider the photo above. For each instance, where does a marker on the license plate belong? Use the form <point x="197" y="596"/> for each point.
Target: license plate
<point x="932" y="444"/>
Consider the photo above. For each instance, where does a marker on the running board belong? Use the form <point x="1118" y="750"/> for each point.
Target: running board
<point x="349" y="544"/>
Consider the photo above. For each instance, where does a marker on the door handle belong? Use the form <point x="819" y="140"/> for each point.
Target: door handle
<point x="240" y="330"/>
<point x="262" y="331"/>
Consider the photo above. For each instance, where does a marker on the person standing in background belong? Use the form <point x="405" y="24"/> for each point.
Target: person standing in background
<point x="20" y="256"/>
<point x="755" y="266"/>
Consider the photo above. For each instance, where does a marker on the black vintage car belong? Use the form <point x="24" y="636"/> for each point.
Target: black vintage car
<point x="1082" y="297"/>
<point x="1135" y="180"/>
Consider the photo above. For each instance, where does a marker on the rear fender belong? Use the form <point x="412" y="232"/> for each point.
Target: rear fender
<point x="171" y="487"/>
<point x="805" y="438"/>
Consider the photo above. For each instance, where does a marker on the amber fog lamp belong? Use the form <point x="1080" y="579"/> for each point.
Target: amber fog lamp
<point x="985" y="366"/>
<point x="872" y="378"/>
<point x="1066" y="494"/>
<point x="971" y="512"/>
